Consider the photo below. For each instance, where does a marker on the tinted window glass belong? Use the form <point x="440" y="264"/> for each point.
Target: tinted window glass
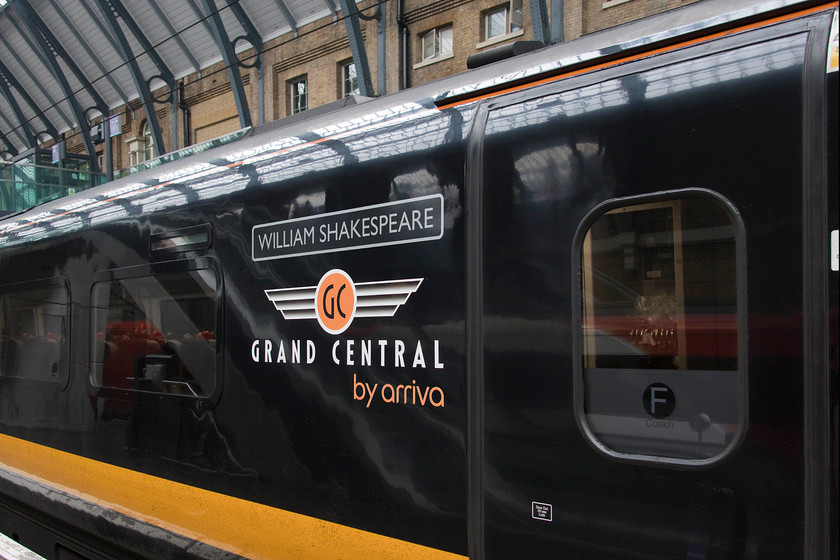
<point x="156" y="333"/>
<point x="33" y="330"/>
<point x="660" y="329"/>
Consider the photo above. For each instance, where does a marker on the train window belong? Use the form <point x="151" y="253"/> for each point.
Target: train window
<point x="156" y="332"/>
<point x="34" y="319"/>
<point x="187" y="239"/>
<point x="661" y="371"/>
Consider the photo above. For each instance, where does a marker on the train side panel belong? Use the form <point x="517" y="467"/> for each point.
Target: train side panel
<point x="578" y="319"/>
<point x="188" y="365"/>
<point x="642" y="300"/>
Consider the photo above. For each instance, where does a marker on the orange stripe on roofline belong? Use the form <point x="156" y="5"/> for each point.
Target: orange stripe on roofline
<point x="239" y="526"/>
<point x="645" y="54"/>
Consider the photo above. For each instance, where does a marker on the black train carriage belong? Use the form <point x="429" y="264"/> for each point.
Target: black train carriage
<point x="581" y="303"/>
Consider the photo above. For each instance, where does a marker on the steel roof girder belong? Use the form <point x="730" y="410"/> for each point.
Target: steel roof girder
<point x="202" y="17"/>
<point x="26" y="68"/>
<point x="557" y="35"/>
<point x="251" y="32"/>
<point x="331" y="7"/>
<point x="177" y="36"/>
<point x="143" y="89"/>
<point x="6" y="90"/>
<point x="357" y="46"/>
<point x="10" y="147"/>
<point x="539" y="21"/>
<point x="231" y="62"/>
<point x="48" y="44"/>
<point x="47" y="40"/>
<point x="13" y="83"/>
<point x="16" y="130"/>
<point x="86" y="46"/>
<point x="163" y="68"/>
<point x="287" y="15"/>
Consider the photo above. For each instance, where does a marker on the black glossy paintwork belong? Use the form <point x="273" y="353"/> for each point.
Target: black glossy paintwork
<point x="726" y="116"/>
<point x="548" y="161"/>
<point x="290" y="435"/>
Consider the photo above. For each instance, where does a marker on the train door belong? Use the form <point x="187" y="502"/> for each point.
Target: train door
<point x="638" y="361"/>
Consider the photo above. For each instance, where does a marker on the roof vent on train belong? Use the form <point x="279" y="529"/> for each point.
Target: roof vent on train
<point x="500" y="53"/>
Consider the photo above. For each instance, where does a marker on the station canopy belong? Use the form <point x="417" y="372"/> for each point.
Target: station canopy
<point x="64" y="64"/>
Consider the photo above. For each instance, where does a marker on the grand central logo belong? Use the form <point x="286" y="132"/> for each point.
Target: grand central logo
<point x="337" y="300"/>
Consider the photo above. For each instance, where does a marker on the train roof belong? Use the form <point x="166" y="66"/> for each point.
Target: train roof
<point x="345" y="118"/>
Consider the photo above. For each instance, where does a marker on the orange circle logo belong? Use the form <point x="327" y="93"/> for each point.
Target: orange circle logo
<point x="335" y="301"/>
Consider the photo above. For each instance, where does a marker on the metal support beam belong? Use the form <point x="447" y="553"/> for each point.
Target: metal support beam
<point x="52" y="50"/>
<point x="119" y="10"/>
<point x="6" y="90"/>
<point x="110" y="10"/>
<point x="539" y="21"/>
<point x="231" y="62"/>
<point x="251" y="32"/>
<point x="381" y="70"/>
<point x="252" y="35"/>
<point x="164" y="20"/>
<point x="26" y="68"/>
<point x="85" y="45"/>
<point x="202" y="17"/>
<point x="357" y="46"/>
<point x="287" y="15"/>
<point x="10" y="148"/>
<point x="12" y="82"/>
<point x="557" y="33"/>
<point x="15" y="130"/>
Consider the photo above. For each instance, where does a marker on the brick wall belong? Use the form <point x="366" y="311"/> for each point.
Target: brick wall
<point x="601" y="14"/>
<point x="320" y="47"/>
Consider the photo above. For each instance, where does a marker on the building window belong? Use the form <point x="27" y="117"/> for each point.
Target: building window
<point x="148" y="142"/>
<point x="503" y="20"/>
<point x="349" y="81"/>
<point x="141" y="148"/>
<point x="436" y="43"/>
<point x="298" y="95"/>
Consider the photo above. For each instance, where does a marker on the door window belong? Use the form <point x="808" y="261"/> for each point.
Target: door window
<point x="660" y="337"/>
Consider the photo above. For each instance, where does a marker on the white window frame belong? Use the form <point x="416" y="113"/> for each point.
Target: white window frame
<point x="513" y="26"/>
<point x="442" y="42"/>
<point x="298" y="101"/>
<point x="512" y="12"/>
<point x="349" y="79"/>
<point x="141" y="147"/>
<point x="148" y="142"/>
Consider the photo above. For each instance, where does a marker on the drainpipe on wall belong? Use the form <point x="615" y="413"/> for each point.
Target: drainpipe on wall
<point x="182" y="104"/>
<point x="404" y="32"/>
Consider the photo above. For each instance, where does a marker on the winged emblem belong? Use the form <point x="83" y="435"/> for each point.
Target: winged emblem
<point x="337" y="300"/>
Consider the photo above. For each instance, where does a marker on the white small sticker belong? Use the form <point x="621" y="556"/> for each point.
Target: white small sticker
<point x="543" y="512"/>
<point x="835" y="250"/>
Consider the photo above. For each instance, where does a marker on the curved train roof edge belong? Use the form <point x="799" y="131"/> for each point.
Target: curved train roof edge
<point x="670" y="27"/>
<point x="284" y="135"/>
